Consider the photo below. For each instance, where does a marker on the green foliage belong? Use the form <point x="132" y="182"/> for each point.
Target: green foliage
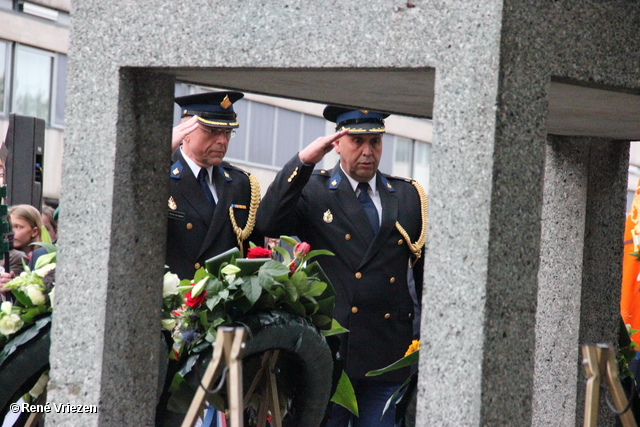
<point x="345" y="395"/>
<point x="229" y="288"/>
<point x="407" y="360"/>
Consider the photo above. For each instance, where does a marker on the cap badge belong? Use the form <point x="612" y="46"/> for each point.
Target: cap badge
<point x="176" y="171"/>
<point x="364" y="111"/>
<point x="327" y="216"/>
<point x="172" y="204"/>
<point x="225" y="102"/>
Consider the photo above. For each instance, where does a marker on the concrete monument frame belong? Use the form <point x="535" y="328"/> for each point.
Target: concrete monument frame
<point x="525" y="231"/>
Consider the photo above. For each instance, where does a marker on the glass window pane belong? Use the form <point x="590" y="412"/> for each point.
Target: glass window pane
<point x="261" y="133"/>
<point x="402" y="157"/>
<point x="32" y="83"/>
<point x="313" y="128"/>
<point x="61" y="90"/>
<point x="422" y="164"/>
<point x="237" y="145"/>
<point x="4" y="48"/>
<point x="288" y="136"/>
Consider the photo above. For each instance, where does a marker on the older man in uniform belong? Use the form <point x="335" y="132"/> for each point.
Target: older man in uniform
<point x="375" y="224"/>
<point x="213" y="204"/>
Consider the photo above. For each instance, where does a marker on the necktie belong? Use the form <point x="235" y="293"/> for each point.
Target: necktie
<point x="202" y="177"/>
<point x="369" y="207"/>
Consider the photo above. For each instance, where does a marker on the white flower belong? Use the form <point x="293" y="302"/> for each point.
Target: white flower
<point x="197" y="289"/>
<point x="35" y="295"/>
<point x="169" y="324"/>
<point x="170" y="285"/>
<point x="44" y="270"/>
<point x="6" y="307"/>
<point x="10" y="324"/>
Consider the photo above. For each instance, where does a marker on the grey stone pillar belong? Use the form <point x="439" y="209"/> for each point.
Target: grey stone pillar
<point x="579" y="278"/>
<point x="602" y="261"/>
<point x="106" y="333"/>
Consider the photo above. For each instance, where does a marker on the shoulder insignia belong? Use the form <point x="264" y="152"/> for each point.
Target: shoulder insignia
<point x="176" y="170"/>
<point x="225" y="174"/>
<point x="334" y="182"/>
<point x="387" y="184"/>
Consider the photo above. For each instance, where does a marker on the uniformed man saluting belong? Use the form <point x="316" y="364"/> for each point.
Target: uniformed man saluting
<point x="213" y="204"/>
<point x="375" y="224"/>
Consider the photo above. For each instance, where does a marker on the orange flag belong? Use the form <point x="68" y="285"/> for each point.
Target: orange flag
<point x="630" y="296"/>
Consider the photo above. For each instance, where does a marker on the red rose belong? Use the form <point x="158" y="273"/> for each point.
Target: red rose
<point x="258" y="252"/>
<point x="301" y="250"/>
<point x="292" y="268"/>
<point x="195" y="302"/>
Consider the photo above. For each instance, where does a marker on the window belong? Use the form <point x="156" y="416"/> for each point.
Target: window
<point x="412" y="160"/>
<point x="33" y="75"/>
<point x="5" y="49"/>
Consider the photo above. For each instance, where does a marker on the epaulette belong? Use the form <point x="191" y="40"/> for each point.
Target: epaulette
<point x="400" y="178"/>
<point x="322" y="172"/>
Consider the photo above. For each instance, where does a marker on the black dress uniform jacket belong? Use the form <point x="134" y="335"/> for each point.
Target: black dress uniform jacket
<point x="196" y="231"/>
<point x="368" y="273"/>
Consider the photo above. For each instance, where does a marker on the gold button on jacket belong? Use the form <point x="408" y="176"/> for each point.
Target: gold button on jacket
<point x="354" y="309"/>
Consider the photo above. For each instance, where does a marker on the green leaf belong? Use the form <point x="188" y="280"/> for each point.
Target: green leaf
<point x="336" y="329"/>
<point x="22" y="297"/>
<point x="48" y="246"/>
<point x="213" y="301"/>
<point x="345" y="396"/>
<point x="275" y="269"/>
<point x="402" y="363"/>
<point x="299" y="280"/>
<point x="285" y="254"/>
<point x="289" y="240"/>
<point x="315" y="253"/>
<point x="44" y="235"/>
<point x="291" y="290"/>
<point x="266" y="280"/>
<point x="213" y="286"/>
<point x="203" y="319"/>
<point x="45" y="260"/>
<point x="31" y="313"/>
<point x="316" y="289"/>
<point x="252" y="289"/>
<point x="320" y="320"/>
<point x="181" y="395"/>
<point x="200" y="274"/>
<point x="394" y="396"/>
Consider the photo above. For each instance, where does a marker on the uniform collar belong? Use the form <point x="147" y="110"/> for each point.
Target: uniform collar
<point x="195" y="168"/>
<point x="354" y="183"/>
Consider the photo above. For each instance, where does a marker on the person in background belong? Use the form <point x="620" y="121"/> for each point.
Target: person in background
<point x="26" y="225"/>
<point x="47" y="211"/>
<point x="50" y="222"/>
<point x="17" y="260"/>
